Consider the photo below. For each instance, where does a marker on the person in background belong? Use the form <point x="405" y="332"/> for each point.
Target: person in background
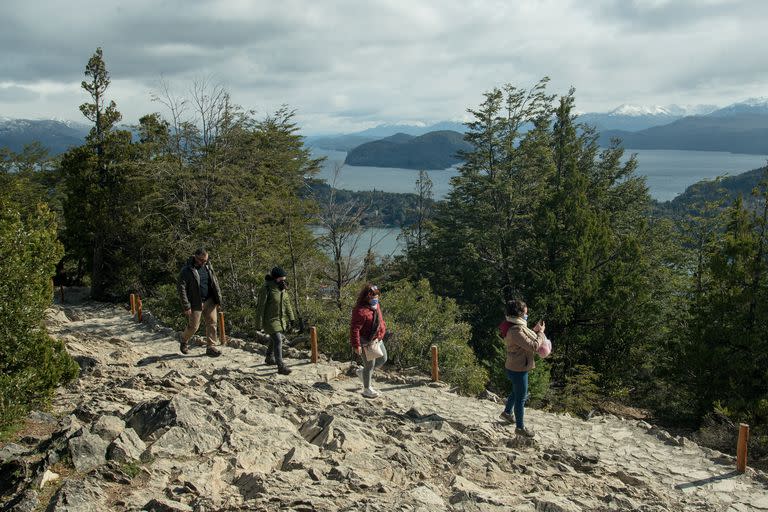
<point x="274" y="315"/>
<point x="366" y="327"/>
<point x="200" y="294"/>
<point x="522" y="343"/>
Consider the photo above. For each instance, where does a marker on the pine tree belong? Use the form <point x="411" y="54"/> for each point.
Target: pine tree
<point x="95" y="175"/>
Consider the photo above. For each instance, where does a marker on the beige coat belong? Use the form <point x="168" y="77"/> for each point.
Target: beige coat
<point x="522" y="343"/>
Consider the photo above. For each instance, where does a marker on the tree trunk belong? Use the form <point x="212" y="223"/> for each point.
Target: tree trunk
<point x="97" y="270"/>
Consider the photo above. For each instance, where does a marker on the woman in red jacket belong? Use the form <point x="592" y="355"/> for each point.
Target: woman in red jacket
<point x="366" y="327"/>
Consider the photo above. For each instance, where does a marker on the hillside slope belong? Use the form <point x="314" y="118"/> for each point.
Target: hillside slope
<point x="742" y="133"/>
<point x="231" y="434"/>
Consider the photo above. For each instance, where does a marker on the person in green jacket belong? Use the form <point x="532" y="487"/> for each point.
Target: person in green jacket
<point x="274" y="316"/>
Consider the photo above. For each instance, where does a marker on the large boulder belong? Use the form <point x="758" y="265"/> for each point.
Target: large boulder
<point x="127" y="447"/>
<point x="177" y="427"/>
<point x="78" y="496"/>
<point x="330" y="432"/>
<point x="88" y="451"/>
<point x="148" y="417"/>
<point x="108" y="427"/>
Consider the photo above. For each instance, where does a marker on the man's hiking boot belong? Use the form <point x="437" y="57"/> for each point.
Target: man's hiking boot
<point x="370" y="393"/>
<point x="183" y="345"/>
<point x="508" y="417"/>
<point x="283" y="370"/>
<point x="270" y="359"/>
<point x="524" y="432"/>
<point x="212" y="351"/>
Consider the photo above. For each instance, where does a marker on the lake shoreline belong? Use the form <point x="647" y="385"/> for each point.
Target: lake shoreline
<point x="668" y="172"/>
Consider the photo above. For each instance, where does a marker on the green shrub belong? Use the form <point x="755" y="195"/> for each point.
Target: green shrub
<point x="164" y="304"/>
<point x="581" y="392"/>
<point x="419" y="319"/>
<point x="333" y="323"/>
<point x="31" y="363"/>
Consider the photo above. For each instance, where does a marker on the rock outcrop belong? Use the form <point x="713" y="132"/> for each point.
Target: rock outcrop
<point x="146" y="428"/>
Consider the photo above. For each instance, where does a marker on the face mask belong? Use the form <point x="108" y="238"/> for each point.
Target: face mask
<point x="282" y="285"/>
<point x="373" y="302"/>
<point x="525" y="317"/>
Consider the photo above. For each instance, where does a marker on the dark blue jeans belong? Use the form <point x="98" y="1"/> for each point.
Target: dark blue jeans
<point x="517" y="398"/>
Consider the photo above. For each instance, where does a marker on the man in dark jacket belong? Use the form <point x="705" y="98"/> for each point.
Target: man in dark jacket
<point x="200" y="294"/>
<point x="274" y="315"/>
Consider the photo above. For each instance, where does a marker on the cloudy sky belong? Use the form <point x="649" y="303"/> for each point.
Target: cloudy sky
<point x="349" y="65"/>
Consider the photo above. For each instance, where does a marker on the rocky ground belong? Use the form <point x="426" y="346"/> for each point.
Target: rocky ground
<point x="146" y="428"/>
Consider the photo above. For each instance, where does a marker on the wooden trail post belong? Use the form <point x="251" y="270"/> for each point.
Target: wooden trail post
<point x="313" y="342"/>
<point x="139" y="309"/>
<point x="132" y="300"/>
<point x="741" y="448"/>
<point x="435" y="369"/>
<point x="222" y="333"/>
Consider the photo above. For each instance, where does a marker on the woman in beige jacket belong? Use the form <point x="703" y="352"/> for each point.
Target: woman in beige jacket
<point x="522" y="344"/>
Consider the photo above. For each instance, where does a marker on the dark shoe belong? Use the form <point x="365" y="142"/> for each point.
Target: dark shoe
<point x="183" y="345"/>
<point x="508" y="417"/>
<point x="283" y="370"/>
<point x="212" y="351"/>
<point x="525" y="432"/>
<point x="270" y="359"/>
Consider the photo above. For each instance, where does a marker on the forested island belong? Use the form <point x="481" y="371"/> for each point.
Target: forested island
<point x="433" y="150"/>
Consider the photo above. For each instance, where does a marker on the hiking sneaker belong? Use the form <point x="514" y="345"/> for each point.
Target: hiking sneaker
<point x="359" y="372"/>
<point x="270" y="359"/>
<point x="283" y="370"/>
<point x="212" y="351"/>
<point x="183" y="345"/>
<point x="370" y="393"/>
<point x="524" y="432"/>
<point x="508" y="417"/>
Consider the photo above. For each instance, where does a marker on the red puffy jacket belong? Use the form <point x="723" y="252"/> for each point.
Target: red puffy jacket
<point x="362" y="324"/>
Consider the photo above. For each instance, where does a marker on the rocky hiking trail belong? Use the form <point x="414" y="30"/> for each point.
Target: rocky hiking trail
<point x="147" y="428"/>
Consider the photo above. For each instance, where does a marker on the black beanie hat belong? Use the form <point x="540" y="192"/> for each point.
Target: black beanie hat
<point x="277" y="272"/>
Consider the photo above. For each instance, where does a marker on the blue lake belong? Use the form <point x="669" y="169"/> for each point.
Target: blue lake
<point x="667" y="172"/>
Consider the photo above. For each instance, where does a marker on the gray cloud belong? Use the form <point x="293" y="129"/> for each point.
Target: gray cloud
<point x="347" y="64"/>
<point x="16" y="94"/>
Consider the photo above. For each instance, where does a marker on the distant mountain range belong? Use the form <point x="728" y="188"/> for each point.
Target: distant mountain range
<point x="55" y="135"/>
<point x="745" y="133"/>
<point x="345" y="142"/>
<point x="433" y="150"/>
<point x="639" y="117"/>
<point x="738" y="128"/>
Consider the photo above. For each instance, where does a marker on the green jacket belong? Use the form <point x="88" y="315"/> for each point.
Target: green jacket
<point x="273" y="309"/>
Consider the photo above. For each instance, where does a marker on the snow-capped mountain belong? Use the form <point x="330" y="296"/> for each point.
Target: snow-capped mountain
<point x="629" y="117"/>
<point x="640" y="110"/>
<point x="748" y="106"/>
<point x="658" y="110"/>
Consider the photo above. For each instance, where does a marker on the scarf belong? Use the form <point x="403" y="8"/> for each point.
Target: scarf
<point x="521" y="322"/>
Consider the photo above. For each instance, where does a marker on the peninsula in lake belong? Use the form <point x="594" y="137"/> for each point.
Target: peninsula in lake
<point x="433" y="150"/>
